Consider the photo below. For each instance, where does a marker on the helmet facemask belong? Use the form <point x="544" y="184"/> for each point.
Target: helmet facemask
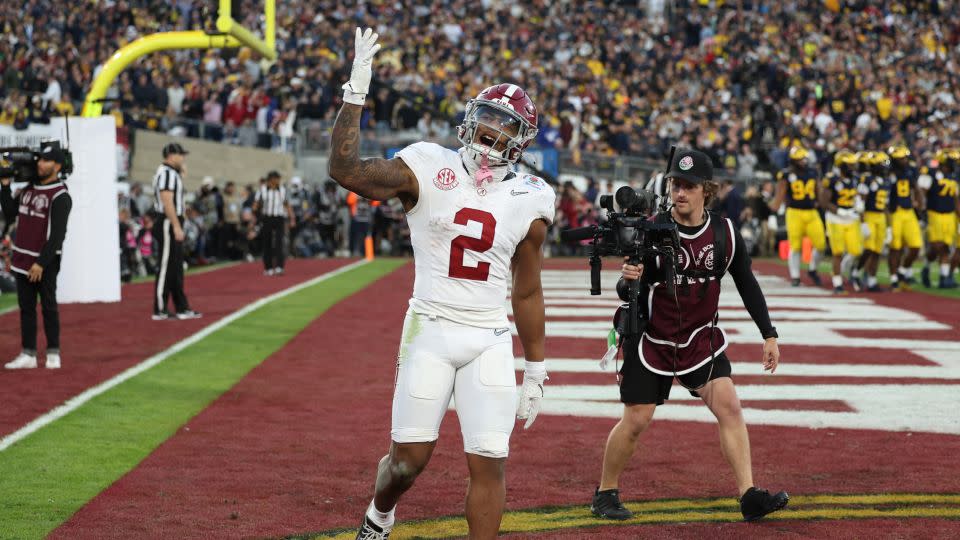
<point x="495" y="131"/>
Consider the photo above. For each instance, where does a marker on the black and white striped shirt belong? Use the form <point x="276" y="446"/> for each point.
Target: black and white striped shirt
<point x="168" y="179"/>
<point x="272" y="201"/>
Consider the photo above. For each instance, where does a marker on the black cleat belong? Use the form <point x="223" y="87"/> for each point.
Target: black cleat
<point x="607" y="505"/>
<point x="371" y="531"/>
<point x="757" y="503"/>
<point x="815" y="278"/>
<point x="795" y="282"/>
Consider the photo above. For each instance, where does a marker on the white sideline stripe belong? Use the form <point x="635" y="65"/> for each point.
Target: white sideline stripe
<point x="941" y="372"/>
<point x="77" y="401"/>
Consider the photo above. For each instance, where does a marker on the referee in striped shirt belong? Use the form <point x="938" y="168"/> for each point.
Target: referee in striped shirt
<point x="168" y="231"/>
<point x="271" y="202"/>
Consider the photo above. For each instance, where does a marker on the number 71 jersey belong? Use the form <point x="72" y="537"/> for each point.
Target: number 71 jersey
<point x="464" y="238"/>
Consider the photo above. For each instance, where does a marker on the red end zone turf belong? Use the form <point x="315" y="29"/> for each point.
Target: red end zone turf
<point x="100" y="340"/>
<point x="293" y="448"/>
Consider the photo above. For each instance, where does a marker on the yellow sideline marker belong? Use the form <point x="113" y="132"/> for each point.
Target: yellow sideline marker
<point x="233" y="34"/>
<point x="802" y="507"/>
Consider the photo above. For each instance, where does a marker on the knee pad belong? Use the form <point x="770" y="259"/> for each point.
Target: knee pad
<point x="490" y="444"/>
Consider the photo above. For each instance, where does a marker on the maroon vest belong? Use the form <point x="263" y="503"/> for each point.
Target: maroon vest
<point x="33" y="224"/>
<point x="698" y="298"/>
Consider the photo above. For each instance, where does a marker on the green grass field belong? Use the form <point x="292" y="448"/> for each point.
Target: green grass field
<point x="883" y="276"/>
<point x="49" y="475"/>
<point x="8" y="301"/>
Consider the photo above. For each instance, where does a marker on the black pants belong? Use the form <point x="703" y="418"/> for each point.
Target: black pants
<point x="27" y="296"/>
<point x="328" y="235"/>
<point x="358" y="235"/>
<point x="169" y="269"/>
<point x="272" y="233"/>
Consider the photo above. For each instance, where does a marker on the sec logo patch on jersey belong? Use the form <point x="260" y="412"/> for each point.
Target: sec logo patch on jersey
<point x="446" y="179"/>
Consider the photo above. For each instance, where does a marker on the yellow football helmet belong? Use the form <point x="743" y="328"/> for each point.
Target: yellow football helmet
<point x="798" y="153"/>
<point x="941" y="155"/>
<point x="844" y="157"/>
<point x="881" y="158"/>
<point x="953" y="154"/>
<point x="866" y="158"/>
<point x="898" y="152"/>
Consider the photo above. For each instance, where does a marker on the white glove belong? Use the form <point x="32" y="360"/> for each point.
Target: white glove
<point x="866" y="230"/>
<point x="364" y="47"/>
<point x="531" y="392"/>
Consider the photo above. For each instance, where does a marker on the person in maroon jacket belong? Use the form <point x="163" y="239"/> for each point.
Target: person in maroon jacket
<point x="41" y="209"/>
<point x="681" y="338"/>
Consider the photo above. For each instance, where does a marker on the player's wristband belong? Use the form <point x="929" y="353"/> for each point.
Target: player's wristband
<point x="535" y="370"/>
<point x="353" y="98"/>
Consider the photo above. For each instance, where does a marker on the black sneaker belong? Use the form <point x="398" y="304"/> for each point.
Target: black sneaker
<point x="607" y="505"/>
<point x="757" y="503"/>
<point x="371" y="531"/>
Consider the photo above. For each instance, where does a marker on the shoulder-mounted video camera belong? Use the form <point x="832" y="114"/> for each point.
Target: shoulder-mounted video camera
<point x="20" y="162"/>
<point x="630" y="233"/>
<point x="634" y="233"/>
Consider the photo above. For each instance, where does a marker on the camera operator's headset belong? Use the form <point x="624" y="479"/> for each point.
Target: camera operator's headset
<point x="720" y="237"/>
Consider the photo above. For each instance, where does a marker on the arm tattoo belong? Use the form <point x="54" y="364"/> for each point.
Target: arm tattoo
<point x="373" y="178"/>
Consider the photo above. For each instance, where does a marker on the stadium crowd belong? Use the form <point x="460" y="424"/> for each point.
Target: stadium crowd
<point x="607" y="78"/>
<point x="743" y="81"/>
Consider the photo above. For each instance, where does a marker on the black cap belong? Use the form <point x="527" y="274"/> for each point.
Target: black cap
<point x="691" y="165"/>
<point x="174" y="148"/>
<point x="52" y="152"/>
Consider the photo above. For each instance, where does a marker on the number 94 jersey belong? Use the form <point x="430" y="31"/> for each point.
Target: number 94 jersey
<point x="464" y="238"/>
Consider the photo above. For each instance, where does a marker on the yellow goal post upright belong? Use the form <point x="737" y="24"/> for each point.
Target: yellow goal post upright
<point x="230" y="33"/>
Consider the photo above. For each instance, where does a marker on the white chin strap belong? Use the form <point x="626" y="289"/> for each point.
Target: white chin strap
<point x="473" y="162"/>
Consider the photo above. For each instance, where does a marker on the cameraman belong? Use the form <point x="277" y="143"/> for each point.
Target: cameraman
<point x="710" y="247"/>
<point x="41" y="209"/>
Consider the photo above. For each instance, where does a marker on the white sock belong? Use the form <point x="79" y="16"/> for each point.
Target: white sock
<point x="814" y="259"/>
<point x="944" y="269"/>
<point x="794" y="264"/>
<point x="906" y="272"/>
<point x="837" y="281"/>
<point x="845" y="263"/>
<point x="383" y="519"/>
<point x="894" y="278"/>
<point x="871" y="281"/>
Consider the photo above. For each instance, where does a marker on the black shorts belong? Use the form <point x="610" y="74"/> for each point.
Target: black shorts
<point x="639" y="385"/>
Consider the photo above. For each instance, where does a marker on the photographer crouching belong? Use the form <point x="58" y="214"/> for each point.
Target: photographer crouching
<point x="679" y="337"/>
<point x="41" y="209"/>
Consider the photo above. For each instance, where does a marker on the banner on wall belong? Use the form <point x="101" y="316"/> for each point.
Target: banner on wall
<point x="90" y="269"/>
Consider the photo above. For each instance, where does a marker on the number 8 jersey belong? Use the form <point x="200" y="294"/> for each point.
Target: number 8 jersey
<point x="464" y="238"/>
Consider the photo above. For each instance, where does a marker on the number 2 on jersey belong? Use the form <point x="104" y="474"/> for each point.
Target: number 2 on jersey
<point x="461" y="243"/>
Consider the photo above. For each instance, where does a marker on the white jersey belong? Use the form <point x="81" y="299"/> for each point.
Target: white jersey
<point x="463" y="242"/>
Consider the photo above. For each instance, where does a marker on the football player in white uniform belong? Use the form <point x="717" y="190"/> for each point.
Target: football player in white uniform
<point x="474" y="224"/>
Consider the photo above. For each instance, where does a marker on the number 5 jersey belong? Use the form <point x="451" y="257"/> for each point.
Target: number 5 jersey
<point x="464" y="236"/>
